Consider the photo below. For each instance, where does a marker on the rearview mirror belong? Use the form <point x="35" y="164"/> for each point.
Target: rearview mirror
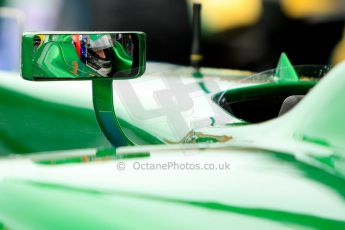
<point x="83" y="55"/>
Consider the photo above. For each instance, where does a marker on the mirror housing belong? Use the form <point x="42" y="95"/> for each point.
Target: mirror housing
<point x="83" y="55"/>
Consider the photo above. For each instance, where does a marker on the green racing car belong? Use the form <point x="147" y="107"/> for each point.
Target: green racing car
<point x="90" y="141"/>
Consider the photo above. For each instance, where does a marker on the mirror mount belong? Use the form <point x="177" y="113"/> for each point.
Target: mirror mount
<point x="103" y="103"/>
<point x="97" y="56"/>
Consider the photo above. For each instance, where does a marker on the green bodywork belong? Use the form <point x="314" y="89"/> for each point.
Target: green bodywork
<point x="285" y="71"/>
<point x="286" y="173"/>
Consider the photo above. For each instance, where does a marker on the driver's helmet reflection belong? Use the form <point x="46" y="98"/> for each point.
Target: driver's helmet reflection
<point x="96" y="51"/>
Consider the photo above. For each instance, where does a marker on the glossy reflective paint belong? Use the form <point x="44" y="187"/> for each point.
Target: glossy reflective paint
<point x="166" y="105"/>
<point x="169" y="101"/>
<point x="262" y="189"/>
<point x="62" y="117"/>
<point x="313" y="131"/>
<point x="278" y="179"/>
<point x="34" y="119"/>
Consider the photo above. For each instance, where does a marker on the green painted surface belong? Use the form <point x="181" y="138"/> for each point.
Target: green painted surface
<point x="142" y="131"/>
<point x="285" y="71"/>
<point x="324" y="110"/>
<point x="30" y="124"/>
<point x="287" y="173"/>
<point x="251" y="195"/>
<point x="102" y="93"/>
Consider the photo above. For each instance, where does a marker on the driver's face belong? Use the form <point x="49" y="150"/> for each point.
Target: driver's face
<point x="100" y="53"/>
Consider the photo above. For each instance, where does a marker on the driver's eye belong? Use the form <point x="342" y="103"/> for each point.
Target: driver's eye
<point x="37" y="41"/>
<point x="98" y="53"/>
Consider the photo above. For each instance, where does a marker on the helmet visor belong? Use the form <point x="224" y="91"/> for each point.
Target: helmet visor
<point x="100" y="43"/>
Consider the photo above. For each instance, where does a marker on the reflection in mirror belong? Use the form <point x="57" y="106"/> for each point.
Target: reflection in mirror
<point x="86" y="56"/>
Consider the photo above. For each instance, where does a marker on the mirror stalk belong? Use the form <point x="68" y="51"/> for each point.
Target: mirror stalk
<point x="98" y="56"/>
<point x="102" y="95"/>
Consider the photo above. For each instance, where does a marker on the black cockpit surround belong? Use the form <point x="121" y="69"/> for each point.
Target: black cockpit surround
<point x="262" y="102"/>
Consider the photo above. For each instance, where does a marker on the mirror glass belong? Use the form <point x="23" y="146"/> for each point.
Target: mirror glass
<point x="85" y="56"/>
